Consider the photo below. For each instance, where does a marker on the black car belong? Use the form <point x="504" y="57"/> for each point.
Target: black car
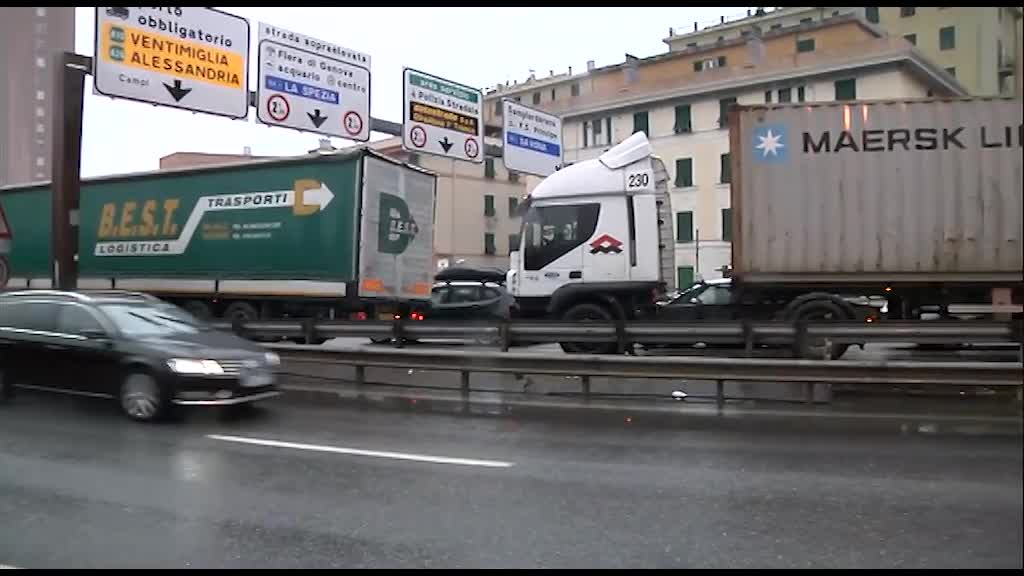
<point x="148" y="354"/>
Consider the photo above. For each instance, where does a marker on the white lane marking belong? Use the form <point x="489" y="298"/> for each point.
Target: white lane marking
<point x="371" y="453"/>
<point x="7" y="567"/>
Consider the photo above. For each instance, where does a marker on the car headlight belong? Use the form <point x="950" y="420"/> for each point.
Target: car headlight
<point x="190" y="366"/>
<point x="272" y="358"/>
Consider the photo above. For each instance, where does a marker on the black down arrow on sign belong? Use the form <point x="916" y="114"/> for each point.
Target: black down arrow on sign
<point x="177" y="92"/>
<point x="316" y="118"/>
<point x="445" y="144"/>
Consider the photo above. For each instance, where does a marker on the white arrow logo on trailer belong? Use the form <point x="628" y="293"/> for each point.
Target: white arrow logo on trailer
<point x="321" y="196"/>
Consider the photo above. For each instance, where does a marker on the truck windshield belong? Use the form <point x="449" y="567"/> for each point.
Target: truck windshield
<point x="136" y="320"/>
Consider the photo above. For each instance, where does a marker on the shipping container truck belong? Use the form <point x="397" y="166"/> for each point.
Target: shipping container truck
<point x="915" y="201"/>
<point x="344" y="235"/>
<point x="913" y="206"/>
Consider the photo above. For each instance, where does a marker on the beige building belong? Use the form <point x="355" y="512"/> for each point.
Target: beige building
<point x="679" y="99"/>
<point x="474" y="212"/>
<point x="980" y="45"/>
<point x="29" y="38"/>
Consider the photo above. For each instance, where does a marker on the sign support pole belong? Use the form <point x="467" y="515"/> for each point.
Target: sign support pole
<point x="69" y="74"/>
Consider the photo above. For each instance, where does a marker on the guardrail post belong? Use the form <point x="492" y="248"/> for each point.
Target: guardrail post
<point x="585" y="381"/>
<point x="799" y="337"/>
<point x="309" y="330"/>
<point x="238" y="326"/>
<point x="505" y="333"/>
<point x="809" y="392"/>
<point x="748" y="337"/>
<point x="720" y="393"/>
<point x="620" y="336"/>
<point x="464" y="381"/>
<point x="397" y="332"/>
<point x="360" y="374"/>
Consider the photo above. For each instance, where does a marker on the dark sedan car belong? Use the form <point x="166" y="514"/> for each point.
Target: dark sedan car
<point x="147" y="354"/>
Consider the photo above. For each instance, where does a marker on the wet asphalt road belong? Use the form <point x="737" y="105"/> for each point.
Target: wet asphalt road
<point x="82" y="487"/>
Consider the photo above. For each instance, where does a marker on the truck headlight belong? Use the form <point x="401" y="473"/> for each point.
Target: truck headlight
<point x="191" y="366"/>
<point x="272" y="359"/>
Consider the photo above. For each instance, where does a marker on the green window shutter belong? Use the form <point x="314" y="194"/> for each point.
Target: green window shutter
<point x="682" y="123"/>
<point x="640" y="123"/>
<point x="684" y="277"/>
<point x="846" y="89"/>
<point x="725" y="173"/>
<point x="489" y="205"/>
<point x="684" y="172"/>
<point x="684" y="227"/>
<point x="727" y="224"/>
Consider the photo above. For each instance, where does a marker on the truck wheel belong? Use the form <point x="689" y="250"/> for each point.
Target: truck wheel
<point x="821" y="311"/>
<point x="201" y="310"/>
<point x="243" y="312"/>
<point x="587" y="312"/>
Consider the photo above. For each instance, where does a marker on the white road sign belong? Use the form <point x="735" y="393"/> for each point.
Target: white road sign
<point x="442" y="117"/>
<point x="533" y="140"/>
<point x="308" y="84"/>
<point x="185" y="57"/>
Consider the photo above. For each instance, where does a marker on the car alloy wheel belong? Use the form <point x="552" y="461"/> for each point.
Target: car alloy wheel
<point x="141" y="398"/>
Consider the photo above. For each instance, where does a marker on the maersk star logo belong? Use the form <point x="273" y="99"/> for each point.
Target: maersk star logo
<point x="770" y="143"/>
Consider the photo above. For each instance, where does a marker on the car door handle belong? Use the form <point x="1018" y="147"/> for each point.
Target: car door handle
<point x="575" y="274"/>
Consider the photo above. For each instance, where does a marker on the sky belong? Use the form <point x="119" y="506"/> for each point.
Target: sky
<point x="478" y="47"/>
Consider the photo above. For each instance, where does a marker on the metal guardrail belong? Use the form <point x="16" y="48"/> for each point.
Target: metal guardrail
<point x="720" y="370"/>
<point x="745" y="333"/>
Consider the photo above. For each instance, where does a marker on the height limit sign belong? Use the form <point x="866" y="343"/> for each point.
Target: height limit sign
<point x="308" y="84"/>
<point x="442" y="117"/>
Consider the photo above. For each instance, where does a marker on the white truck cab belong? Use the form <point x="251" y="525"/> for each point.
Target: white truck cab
<point x="596" y="241"/>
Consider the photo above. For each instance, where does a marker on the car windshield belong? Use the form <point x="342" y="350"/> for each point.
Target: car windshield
<point x="143" y="320"/>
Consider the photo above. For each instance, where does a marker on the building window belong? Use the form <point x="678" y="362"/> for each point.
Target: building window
<point x="682" y="123"/>
<point x="640" y="123"/>
<point x="725" y="172"/>
<point x="489" y="168"/>
<point x="691" y="45"/>
<point x="498" y="107"/>
<point x="800" y="94"/>
<point x="513" y="243"/>
<point x="40" y="161"/>
<point x="912" y="38"/>
<point x="767" y="96"/>
<point x="40" y="111"/>
<point x="513" y="177"/>
<point x="40" y="128"/>
<point x="684" y="227"/>
<point x="554" y="94"/>
<point x="489" y="247"/>
<point x="727" y="224"/>
<point x="846" y="89"/>
<point x="574" y="90"/>
<point x="951" y="71"/>
<point x="586" y="132"/>
<point x="40" y="95"/>
<point x="489" y="205"/>
<point x="536" y="97"/>
<point x="776" y="26"/>
<point x="723" y="110"/>
<point x="907" y="11"/>
<point x="709" y="63"/>
<point x="871" y="14"/>
<point x="40" y="62"/>
<point x="806" y="20"/>
<point x="785" y="95"/>
<point x="805" y="45"/>
<point x="721" y="61"/>
<point x="414" y="159"/>
<point x="684" y="172"/>
<point x="41" y="12"/>
<point x="513" y="205"/>
<point x="608" y="125"/>
<point x="684" y="277"/>
<point x="947" y="38"/>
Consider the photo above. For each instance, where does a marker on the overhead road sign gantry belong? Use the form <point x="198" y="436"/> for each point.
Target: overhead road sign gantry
<point x="184" y="57"/>
<point x="308" y="84"/>
<point x="442" y="117"/>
